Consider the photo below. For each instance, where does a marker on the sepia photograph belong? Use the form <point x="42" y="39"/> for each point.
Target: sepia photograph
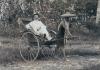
<point x="49" y="35"/>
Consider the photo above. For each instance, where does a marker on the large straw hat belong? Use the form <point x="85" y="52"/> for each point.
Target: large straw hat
<point x="68" y="14"/>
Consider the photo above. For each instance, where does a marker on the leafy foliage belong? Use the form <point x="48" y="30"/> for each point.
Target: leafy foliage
<point x="50" y="12"/>
<point x="89" y="6"/>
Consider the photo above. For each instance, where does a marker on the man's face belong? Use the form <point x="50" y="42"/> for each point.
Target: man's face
<point x="67" y="19"/>
<point x="36" y="17"/>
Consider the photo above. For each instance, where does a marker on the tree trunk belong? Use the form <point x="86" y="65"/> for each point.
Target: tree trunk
<point x="98" y="12"/>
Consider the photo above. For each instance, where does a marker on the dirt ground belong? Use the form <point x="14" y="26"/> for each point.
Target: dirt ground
<point x="11" y="60"/>
<point x="71" y="63"/>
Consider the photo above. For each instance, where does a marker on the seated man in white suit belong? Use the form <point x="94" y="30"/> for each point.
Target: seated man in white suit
<point x="38" y="27"/>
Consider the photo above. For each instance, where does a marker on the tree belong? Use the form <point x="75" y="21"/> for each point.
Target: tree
<point x="89" y="6"/>
<point x="98" y="12"/>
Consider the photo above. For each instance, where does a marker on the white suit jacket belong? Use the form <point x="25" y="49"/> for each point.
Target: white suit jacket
<point x="38" y="28"/>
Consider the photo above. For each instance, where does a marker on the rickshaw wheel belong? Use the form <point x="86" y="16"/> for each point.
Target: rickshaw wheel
<point x="29" y="46"/>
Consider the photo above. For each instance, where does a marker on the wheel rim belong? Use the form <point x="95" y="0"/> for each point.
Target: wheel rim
<point x="28" y="52"/>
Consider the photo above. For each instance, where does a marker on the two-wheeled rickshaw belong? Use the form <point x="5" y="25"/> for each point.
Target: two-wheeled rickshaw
<point x="28" y="52"/>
